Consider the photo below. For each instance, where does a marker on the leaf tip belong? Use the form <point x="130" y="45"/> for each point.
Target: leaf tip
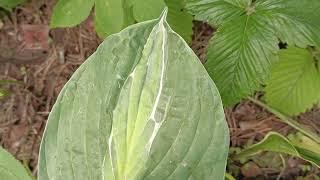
<point x="164" y="14"/>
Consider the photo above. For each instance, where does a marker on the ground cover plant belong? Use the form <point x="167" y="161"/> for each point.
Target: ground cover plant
<point x="112" y="16"/>
<point x="143" y="106"/>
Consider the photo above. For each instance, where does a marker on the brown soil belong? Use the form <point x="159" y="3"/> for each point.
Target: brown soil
<point x="43" y="60"/>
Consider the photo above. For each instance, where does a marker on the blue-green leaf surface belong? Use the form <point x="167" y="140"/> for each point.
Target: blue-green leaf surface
<point x="141" y="107"/>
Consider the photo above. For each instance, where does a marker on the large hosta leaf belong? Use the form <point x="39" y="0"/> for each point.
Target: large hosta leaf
<point x="10" y="168"/>
<point x="240" y="53"/>
<point x="141" y="107"/>
<point x="294" y="84"/>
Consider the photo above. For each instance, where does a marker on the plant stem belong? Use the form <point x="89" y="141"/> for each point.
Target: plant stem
<point x="288" y="120"/>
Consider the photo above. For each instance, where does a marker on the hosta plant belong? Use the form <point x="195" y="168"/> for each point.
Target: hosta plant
<point x="245" y="46"/>
<point x="111" y="16"/>
<point x="141" y="107"/>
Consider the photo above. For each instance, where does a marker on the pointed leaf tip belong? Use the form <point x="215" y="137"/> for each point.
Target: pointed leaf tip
<point x="164" y="14"/>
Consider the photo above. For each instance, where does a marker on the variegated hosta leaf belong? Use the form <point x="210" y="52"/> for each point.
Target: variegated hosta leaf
<point x="294" y="83"/>
<point x="141" y="107"/>
<point x="240" y="54"/>
<point x="10" y="168"/>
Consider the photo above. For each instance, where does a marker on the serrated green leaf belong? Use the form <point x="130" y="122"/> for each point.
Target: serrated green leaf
<point x="68" y="13"/>
<point x="239" y="56"/>
<point x="216" y="12"/>
<point x="141" y="107"/>
<point x="294" y="83"/>
<point x="9" y="4"/>
<point x="275" y="142"/>
<point x="10" y="168"/>
<point x="297" y="22"/>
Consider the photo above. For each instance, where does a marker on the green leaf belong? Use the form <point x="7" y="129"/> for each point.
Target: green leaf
<point x="275" y="142"/>
<point x="141" y="107"/>
<point x="68" y="13"/>
<point x="216" y="12"/>
<point x="9" y="4"/>
<point x="179" y="19"/>
<point x="10" y="168"/>
<point x="147" y="9"/>
<point x="294" y="83"/>
<point x="240" y="54"/>
<point x="111" y="16"/>
<point x="297" y="22"/>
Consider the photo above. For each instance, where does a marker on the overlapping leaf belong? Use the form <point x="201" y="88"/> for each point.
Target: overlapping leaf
<point x="294" y="84"/>
<point x="111" y="16"/>
<point x="141" y="107"/>
<point x="10" y="168"/>
<point x="240" y="54"/>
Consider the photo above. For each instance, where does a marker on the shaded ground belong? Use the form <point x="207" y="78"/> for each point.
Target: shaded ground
<point x="43" y="60"/>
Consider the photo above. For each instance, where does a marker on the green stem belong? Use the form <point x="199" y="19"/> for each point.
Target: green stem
<point x="288" y="120"/>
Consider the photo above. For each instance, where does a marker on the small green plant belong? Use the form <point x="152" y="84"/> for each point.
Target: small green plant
<point x="5" y="92"/>
<point x="9" y="4"/>
<point x="296" y="145"/>
<point x="111" y="16"/>
<point x="141" y="107"/>
<point x="245" y="48"/>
